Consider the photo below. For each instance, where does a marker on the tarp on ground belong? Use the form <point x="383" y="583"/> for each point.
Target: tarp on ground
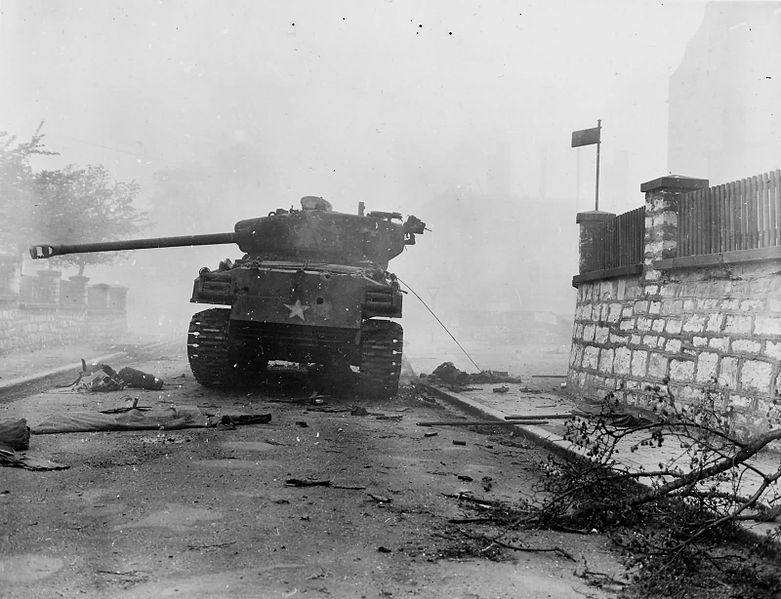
<point x="133" y="420"/>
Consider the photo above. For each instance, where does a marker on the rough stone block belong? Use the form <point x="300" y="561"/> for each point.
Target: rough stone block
<point x="719" y="343"/>
<point x="650" y="290"/>
<point x="622" y="361"/>
<point x="575" y="355"/>
<point x="670" y="290"/>
<point x="746" y="346"/>
<point x="641" y="306"/>
<point x="658" y="325"/>
<point x="650" y="340"/>
<point x="755" y="376"/>
<point x="635" y="339"/>
<point x="674" y="326"/>
<point x="614" y="312"/>
<point x="603" y="312"/>
<point x="708" y="303"/>
<point x="767" y="325"/>
<point x="674" y="308"/>
<point x="590" y="357"/>
<point x="681" y="370"/>
<point x="627" y="324"/>
<point x="707" y="366"/>
<point x="588" y="332"/>
<point x="689" y="306"/>
<point x="695" y="323"/>
<point x="601" y="334"/>
<point x="639" y="363"/>
<point x="773" y="350"/>
<point x="657" y="366"/>
<point x="728" y="372"/>
<point x="644" y="323"/>
<point x="739" y="402"/>
<point x="751" y="305"/>
<point x="621" y="289"/>
<point x="687" y="393"/>
<point x="617" y="339"/>
<point x="774" y="304"/>
<point x="673" y="346"/>
<point x="737" y="324"/>
<point x="606" y="357"/>
<point x="698" y="341"/>
<point x="730" y="304"/>
<point x="714" y="322"/>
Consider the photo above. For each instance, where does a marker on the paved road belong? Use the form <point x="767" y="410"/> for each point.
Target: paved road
<point x="209" y="512"/>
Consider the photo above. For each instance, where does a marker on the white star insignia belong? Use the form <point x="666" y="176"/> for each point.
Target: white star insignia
<point x="297" y="309"/>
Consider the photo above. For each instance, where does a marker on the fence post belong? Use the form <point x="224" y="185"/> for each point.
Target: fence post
<point x="661" y="218"/>
<point x="590" y="244"/>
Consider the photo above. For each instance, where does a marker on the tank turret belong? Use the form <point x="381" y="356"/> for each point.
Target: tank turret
<point x="312" y="287"/>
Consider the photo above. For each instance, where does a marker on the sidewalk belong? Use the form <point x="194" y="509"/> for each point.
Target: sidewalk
<point x="22" y="367"/>
<point x="481" y="401"/>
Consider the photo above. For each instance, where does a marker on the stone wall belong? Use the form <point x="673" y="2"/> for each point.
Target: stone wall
<point x="706" y="327"/>
<point x="45" y="310"/>
<point x="25" y="329"/>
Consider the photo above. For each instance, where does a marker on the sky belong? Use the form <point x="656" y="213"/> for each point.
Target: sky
<point x="458" y="112"/>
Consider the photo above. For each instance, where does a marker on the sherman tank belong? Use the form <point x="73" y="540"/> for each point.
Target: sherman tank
<point x="312" y="288"/>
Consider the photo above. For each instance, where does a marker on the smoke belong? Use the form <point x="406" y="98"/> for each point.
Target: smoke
<point x="458" y="113"/>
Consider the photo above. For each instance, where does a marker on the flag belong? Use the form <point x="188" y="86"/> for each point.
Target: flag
<point x="586" y="137"/>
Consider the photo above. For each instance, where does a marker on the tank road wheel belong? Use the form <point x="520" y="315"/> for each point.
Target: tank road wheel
<point x="209" y="348"/>
<point x="380" y="368"/>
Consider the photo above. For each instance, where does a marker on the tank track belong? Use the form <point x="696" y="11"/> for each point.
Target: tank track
<point x="209" y="348"/>
<point x="380" y="368"/>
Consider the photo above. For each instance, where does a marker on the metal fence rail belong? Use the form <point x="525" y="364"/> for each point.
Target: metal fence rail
<point x="739" y="215"/>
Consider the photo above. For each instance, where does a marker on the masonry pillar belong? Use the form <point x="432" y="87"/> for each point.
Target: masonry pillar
<point x="47" y="286"/>
<point x="9" y="276"/>
<point x="74" y="295"/>
<point x="661" y="219"/>
<point x="97" y="297"/>
<point x="117" y="298"/>
<point x="589" y="224"/>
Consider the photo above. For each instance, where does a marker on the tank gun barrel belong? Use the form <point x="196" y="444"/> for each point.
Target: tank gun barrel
<point x="48" y="251"/>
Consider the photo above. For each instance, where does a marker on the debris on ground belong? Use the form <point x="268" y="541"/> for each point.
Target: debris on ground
<point x="169" y="418"/>
<point x="13" y="459"/>
<point x="450" y="375"/>
<point x="379" y="498"/>
<point x="502" y="389"/>
<point x="239" y="419"/>
<point x="142" y="380"/>
<point x="300" y="482"/>
<point x="15" y="434"/>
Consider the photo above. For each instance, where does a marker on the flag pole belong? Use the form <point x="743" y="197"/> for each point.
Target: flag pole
<point x="599" y="143"/>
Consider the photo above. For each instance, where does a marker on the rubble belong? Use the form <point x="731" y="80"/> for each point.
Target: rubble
<point x="14" y="434"/>
<point x="450" y="375"/>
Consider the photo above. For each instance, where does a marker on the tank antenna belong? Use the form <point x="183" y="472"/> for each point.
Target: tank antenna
<point x="442" y="324"/>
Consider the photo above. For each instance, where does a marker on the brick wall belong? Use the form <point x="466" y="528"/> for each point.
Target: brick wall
<point x="710" y="326"/>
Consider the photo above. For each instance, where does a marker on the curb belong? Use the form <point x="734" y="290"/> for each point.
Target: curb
<point x="559" y="446"/>
<point x="551" y="441"/>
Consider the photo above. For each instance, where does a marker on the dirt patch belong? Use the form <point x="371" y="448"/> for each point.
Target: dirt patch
<point x="28" y="567"/>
